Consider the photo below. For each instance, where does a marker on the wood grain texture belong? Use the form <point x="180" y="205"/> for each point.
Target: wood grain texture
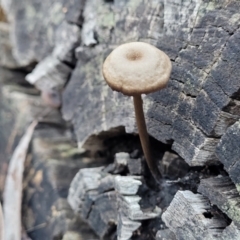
<point x="222" y="192"/>
<point x="187" y="217"/>
<point x="51" y="166"/>
<point x="197" y="115"/>
<point x="201" y="100"/>
<point x="108" y="201"/>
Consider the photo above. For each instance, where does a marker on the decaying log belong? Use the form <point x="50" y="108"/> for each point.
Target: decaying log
<point x="196" y="108"/>
<point x="98" y="208"/>
<point x="106" y="201"/>
<point x="190" y="216"/>
<point x="34" y="27"/>
<point x="130" y="212"/>
<point x="223" y="193"/>
<point x="231" y="232"/>
<point x="54" y="70"/>
<point x="126" y="227"/>
<point x="128" y="200"/>
<point x="197" y="113"/>
<point x="51" y="41"/>
<point x="228" y="152"/>
<point x="19" y="105"/>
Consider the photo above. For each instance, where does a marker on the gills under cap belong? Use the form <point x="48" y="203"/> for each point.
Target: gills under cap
<point x="136" y="68"/>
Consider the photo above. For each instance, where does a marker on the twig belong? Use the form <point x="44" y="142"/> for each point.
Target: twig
<point x="12" y="196"/>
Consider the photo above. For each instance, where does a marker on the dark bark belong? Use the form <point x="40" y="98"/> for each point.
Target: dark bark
<point x="196" y="116"/>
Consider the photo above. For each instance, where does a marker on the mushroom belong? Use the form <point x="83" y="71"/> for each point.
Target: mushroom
<point x="133" y="69"/>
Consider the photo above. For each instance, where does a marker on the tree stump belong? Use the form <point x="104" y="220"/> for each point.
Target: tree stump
<point x="59" y="46"/>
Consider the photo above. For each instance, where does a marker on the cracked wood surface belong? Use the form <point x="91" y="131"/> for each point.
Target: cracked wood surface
<point x="197" y="112"/>
<point x="202" y="39"/>
<point x="201" y="101"/>
<point x="107" y="201"/>
<point x="222" y="192"/>
<point x="187" y="217"/>
<point x="228" y="152"/>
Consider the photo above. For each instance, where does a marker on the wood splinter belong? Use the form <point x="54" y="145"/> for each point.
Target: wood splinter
<point x="133" y="69"/>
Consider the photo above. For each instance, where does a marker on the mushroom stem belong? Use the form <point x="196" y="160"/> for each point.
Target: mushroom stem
<point x="144" y="138"/>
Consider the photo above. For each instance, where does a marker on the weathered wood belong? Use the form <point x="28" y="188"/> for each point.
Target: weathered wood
<point x="228" y="152"/>
<point x="188" y="217"/>
<point x="98" y="209"/>
<point x="120" y="163"/>
<point x="12" y="197"/>
<point x="193" y="115"/>
<point x="107" y="201"/>
<point x="130" y="211"/>
<point x="36" y="26"/>
<point x="7" y="59"/>
<point x="54" y="70"/>
<point x="129" y="200"/>
<point x="51" y="41"/>
<point x="231" y="232"/>
<point x="53" y="163"/>
<point x="222" y="193"/>
<point x="165" y="234"/>
<point x="128" y="185"/>
<point x="195" y="109"/>
<point x="174" y="166"/>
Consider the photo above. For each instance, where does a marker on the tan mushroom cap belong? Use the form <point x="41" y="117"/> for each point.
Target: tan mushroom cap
<point x="136" y="68"/>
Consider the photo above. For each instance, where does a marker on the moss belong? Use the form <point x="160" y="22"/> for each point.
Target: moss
<point x="232" y="210"/>
<point x="50" y="36"/>
<point x="30" y="12"/>
<point x="108" y="20"/>
<point x="67" y="150"/>
<point x="211" y="6"/>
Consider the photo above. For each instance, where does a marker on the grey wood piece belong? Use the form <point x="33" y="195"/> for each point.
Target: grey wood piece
<point x="187" y="217"/>
<point x="222" y="192"/>
<point x="106" y="201"/>
<point x="35" y="26"/>
<point x="126" y="227"/>
<point x="228" y="152"/>
<point x="165" y="234"/>
<point x="201" y="100"/>
<point x="231" y="232"/>
<point x="91" y="195"/>
<point x="53" y="71"/>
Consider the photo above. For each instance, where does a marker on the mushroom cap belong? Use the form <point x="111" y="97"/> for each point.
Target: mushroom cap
<point x="135" y="68"/>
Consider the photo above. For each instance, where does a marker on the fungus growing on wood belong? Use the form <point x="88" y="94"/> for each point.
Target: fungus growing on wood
<point x="133" y="69"/>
